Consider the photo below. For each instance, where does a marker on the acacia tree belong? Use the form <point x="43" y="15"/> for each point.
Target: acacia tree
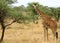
<point x="4" y="9"/>
<point x="3" y="12"/>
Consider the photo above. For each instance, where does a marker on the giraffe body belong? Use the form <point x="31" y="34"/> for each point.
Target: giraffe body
<point x="47" y="23"/>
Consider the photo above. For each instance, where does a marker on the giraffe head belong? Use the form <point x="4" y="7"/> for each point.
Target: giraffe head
<point x="34" y="5"/>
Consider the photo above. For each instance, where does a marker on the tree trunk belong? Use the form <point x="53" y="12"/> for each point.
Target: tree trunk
<point x="3" y="30"/>
<point x="2" y="36"/>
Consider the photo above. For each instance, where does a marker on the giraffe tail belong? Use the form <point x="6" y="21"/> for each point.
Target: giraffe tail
<point x="56" y="35"/>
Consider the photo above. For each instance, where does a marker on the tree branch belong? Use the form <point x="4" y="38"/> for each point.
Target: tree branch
<point x="11" y="23"/>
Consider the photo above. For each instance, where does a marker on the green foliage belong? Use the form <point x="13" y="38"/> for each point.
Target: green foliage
<point x="3" y="8"/>
<point x="31" y="15"/>
<point x="31" y="12"/>
<point x="56" y="13"/>
<point x="3" y="4"/>
<point x="52" y="12"/>
<point x="11" y="1"/>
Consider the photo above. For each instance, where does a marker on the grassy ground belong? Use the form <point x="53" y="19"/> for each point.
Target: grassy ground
<point x="29" y="33"/>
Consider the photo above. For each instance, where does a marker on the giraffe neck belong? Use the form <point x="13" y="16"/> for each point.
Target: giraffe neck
<point x="38" y="11"/>
<point x="42" y="15"/>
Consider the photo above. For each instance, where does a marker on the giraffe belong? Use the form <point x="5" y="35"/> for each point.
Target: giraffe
<point x="47" y="23"/>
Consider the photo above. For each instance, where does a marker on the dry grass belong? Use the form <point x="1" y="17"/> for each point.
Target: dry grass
<point x="29" y="33"/>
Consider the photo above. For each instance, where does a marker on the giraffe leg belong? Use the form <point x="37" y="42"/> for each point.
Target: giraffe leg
<point x="44" y="34"/>
<point x="54" y="35"/>
<point x="47" y="33"/>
